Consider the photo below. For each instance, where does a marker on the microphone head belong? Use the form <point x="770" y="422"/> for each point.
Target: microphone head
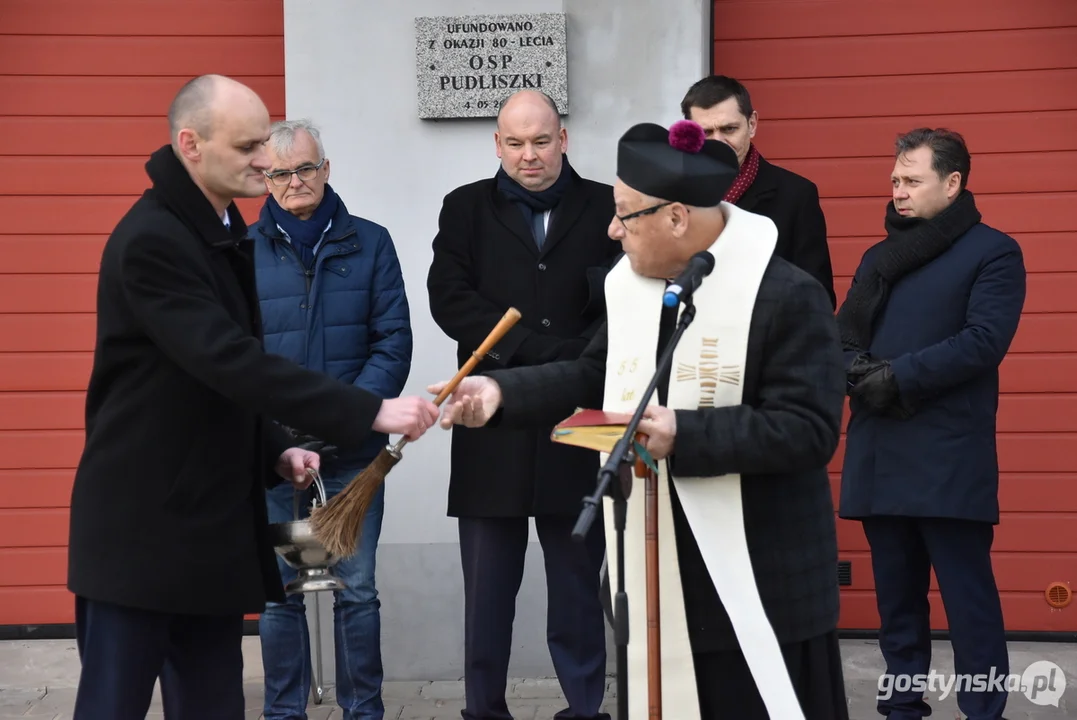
<point x="707" y="259"/>
<point x="699" y="266"/>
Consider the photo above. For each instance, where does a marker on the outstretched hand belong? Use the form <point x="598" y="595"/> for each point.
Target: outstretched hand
<point x="472" y="403"/>
<point x="407" y="416"/>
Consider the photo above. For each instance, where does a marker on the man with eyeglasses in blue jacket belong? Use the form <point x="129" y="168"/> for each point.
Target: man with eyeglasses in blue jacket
<point x="332" y="299"/>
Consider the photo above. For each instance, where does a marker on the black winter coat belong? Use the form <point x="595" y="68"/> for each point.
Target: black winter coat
<point x="485" y="261"/>
<point x="792" y="202"/>
<point x="168" y="508"/>
<point x="779" y="439"/>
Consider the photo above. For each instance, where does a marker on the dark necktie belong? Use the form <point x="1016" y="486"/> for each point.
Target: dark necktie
<point x="538" y="227"/>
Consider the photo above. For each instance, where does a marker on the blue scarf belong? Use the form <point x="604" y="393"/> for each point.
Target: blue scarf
<point x="305" y="234"/>
<point x="533" y="204"/>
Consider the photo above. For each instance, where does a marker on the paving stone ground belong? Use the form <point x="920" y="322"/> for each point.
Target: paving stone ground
<point x="38" y="680"/>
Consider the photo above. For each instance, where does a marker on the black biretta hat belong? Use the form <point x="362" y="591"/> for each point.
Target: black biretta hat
<point x="678" y="164"/>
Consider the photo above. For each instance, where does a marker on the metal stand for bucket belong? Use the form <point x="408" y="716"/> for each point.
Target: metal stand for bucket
<point x="317" y="691"/>
<point x="295" y="542"/>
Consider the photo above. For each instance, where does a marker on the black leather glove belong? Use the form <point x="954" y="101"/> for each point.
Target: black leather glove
<point x="878" y="389"/>
<point x="309" y="442"/>
<point x="861" y="365"/>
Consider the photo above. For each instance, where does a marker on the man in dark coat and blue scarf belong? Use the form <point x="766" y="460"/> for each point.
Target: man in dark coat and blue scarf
<point x="930" y="316"/>
<point x="333" y="300"/>
<point x="533" y="237"/>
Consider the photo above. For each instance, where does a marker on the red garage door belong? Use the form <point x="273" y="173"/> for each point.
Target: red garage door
<point x="84" y="94"/>
<point x="834" y="82"/>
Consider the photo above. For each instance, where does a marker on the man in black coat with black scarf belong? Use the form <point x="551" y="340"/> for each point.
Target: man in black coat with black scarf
<point x="168" y="545"/>
<point x="743" y="425"/>
<point x="723" y="106"/>
<point x="532" y="237"/>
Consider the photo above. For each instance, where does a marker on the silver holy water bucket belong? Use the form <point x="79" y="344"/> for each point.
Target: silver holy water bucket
<point x="295" y="542"/>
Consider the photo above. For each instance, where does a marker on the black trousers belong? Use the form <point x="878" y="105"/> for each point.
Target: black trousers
<point x="903" y="551"/>
<point x="727" y="690"/>
<point x="123" y="651"/>
<point x="492" y="551"/>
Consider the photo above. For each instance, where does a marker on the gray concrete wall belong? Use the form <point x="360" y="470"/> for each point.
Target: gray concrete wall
<point x="350" y="66"/>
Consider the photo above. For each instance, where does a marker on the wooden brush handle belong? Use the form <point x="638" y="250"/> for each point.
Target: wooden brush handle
<point x="510" y="318"/>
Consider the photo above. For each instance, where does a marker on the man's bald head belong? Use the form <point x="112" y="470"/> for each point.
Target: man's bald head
<point x="191" y="107"/>
<point x="530" y="139"/>
<point x="219" y="128"/>
<point x="529" y="101"/>
<point x="200" y="102"/>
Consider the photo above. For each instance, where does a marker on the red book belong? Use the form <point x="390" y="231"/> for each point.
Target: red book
<point x="592" y="429"/>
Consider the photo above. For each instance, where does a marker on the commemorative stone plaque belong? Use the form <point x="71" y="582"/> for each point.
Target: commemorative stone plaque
<point x="468" y="66"/>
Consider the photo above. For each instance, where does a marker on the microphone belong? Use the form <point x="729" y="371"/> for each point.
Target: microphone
<point x="699" y="267"/>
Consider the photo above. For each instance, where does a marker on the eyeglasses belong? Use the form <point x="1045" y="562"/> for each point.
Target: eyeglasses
<point x="645" y="211"/>
<point x="280" y="178"/>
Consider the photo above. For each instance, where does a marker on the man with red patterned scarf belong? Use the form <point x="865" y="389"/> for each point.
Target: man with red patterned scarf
<point x="723" y="107"/>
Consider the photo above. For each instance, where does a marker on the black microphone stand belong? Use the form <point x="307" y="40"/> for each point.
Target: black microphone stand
<point x="621" y="462"/>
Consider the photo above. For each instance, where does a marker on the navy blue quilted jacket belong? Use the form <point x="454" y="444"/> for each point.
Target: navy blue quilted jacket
<point x="348" y="317"/>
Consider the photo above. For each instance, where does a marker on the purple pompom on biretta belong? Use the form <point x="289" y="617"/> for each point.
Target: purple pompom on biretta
<point x="687" y="136"/>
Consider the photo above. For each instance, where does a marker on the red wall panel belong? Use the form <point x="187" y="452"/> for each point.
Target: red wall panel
<point x="85" y="88"/>
<point x="834" y="81"/>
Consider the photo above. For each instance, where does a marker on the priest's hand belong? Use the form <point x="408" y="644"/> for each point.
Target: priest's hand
<point x="659" y="424"/>
<point x="472" y="404"/>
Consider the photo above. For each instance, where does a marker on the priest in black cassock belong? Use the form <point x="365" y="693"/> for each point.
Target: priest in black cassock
<point x="742" y="427"/>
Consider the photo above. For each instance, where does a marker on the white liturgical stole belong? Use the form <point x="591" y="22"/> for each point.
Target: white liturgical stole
<point x="707" y="372"/>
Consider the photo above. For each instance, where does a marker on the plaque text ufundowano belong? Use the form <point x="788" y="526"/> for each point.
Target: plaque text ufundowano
<point x="468" y="66"/>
